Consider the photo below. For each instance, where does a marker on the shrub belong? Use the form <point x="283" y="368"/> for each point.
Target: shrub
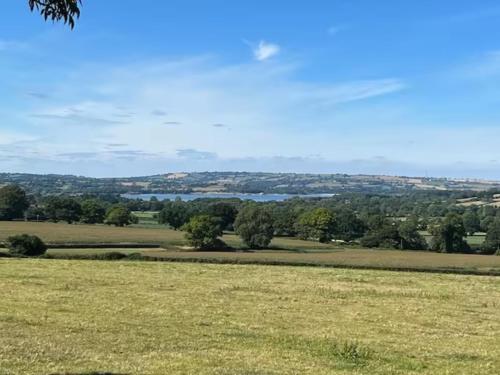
<point x="113" y="255"/>
<point x="26" y="245"/>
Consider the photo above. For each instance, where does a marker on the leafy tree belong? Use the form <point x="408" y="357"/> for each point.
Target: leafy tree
<point x="57" y="10"/>
<point x="13" y="202"/>
<point x="254" y="225"/>
<point x="448" y="236"/>
<point x="284" y="219"/>
<point x="202" y="232"/>
<point x="318" y="224"/>
<point x="155" y="204"/>
<point x="175" y="214"/>
<point x="486" y="222"/>
<point x="348" y="226"/>
<point x="63" y="209"/>
<point x="93" y="211"/>
<point x="26" y="245"/>
<point x="411" y="239"/>
<point x="120" y="216"/>
<point x="385" y="236"/>
<point x="471" y="222"/>
<point x="226" y="212"/>
<point x="492" y="241"/>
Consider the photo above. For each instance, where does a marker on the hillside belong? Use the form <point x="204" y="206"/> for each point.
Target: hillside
<point x="241" y="182"/>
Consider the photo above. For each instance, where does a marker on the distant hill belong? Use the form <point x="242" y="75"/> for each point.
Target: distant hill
<point x="240" y="182"/>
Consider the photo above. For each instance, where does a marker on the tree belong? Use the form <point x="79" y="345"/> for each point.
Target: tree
<point x="93" y="211"/>
<point x="119" y="216"/>
<point x="57" y="10"/>
<point x="226" y="212"/>
<point x="471" y="222"/>
<point x="26" y="245"/>
<point x="318" y="224"/>
<point x="284" y="219"/>
<point x="254" y="225"/>
<point x="202" y="232"/>
<point x="492" y="241"/>
<point x="175" y="214"/>
<point x="63" y="209"/>
<point x="385" y="236"/>
<point x="348" y="226"/>
<point x="13" y="202"/>
<point x="448" y="236"/>
<point x="411" y="239"/>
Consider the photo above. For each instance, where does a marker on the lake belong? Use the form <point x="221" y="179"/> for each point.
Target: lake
<point x="253" y="197"/>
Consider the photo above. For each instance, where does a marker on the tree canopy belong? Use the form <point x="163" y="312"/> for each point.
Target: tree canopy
<point x="57" y="10"/>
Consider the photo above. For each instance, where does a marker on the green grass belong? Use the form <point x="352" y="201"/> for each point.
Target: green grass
<point x="161" y="318"/>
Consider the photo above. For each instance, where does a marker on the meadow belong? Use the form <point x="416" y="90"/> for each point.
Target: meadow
<point x="78" y="317"/>
<point x="284" y="251"/>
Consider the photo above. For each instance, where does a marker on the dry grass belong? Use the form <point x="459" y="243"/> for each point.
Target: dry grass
<point x="79" y="233"/>
<point x="162" y="318"/>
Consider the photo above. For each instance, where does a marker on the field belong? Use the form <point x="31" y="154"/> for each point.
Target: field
<point x="64" y="233"/>
<point x="285" y="251"/>
<point x="76" y="317"/>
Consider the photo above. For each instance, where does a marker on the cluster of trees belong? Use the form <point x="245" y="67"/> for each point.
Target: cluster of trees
<point x="16" y="204"/>
<point x="371" y="220"/>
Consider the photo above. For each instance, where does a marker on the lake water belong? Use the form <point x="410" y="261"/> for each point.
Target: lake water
<point x="253" y="197"/>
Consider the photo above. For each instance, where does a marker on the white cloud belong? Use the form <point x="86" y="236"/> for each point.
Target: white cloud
<point x="264" y="51"/>
<point x="270" y="111"/>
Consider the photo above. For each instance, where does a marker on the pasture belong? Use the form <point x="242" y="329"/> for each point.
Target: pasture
<point x="81" y="233"/>
<point x="78" y="317"/>
<point x="285" y="251"/>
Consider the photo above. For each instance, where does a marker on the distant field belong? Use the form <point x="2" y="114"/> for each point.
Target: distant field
<point x="77" y="317"/>
<point x="77" y="233"/>
<point x="349" y="258"/>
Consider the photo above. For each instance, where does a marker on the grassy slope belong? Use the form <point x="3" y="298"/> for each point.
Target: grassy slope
<point x="159" y="318"/>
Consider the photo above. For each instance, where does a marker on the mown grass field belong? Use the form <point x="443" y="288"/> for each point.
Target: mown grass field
<point x="75" y="317"/>
<point x="285" y="251"/>
<point x="79" y="233"/>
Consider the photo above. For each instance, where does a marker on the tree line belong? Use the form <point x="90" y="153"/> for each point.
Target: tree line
<point x="373" y="221"/>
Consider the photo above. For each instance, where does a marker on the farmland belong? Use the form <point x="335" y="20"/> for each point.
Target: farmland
<point x="284" y="251"/>
<point x="158" y="318"/>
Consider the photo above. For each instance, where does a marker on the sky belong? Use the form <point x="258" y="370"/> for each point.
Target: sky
<point x="336" y="86"/>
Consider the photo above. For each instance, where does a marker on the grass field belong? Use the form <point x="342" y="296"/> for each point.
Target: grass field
<point x="65" y="233"/>
<point x="59" y="317"/>
<point x="295" y="252"/>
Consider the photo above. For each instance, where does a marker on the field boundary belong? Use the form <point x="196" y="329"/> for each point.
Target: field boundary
<point x="234" y="261"/>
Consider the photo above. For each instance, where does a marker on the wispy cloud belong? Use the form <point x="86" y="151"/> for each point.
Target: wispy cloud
<point x="106" y="109"/>
<point x="196" y="154"/>
<point x="158" y="112"/>
<point x="484" y="66"/>
<point x="264" y="51"/>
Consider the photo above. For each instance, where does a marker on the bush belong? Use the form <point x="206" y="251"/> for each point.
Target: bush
<point x="113" y="255"/>
<point x="26" y="245"/>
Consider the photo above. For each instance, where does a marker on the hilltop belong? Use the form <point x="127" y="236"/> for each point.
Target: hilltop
<point x="242" y="182"/>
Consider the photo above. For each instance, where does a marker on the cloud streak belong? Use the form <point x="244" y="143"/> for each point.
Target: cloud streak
<point x="265" y="51"/>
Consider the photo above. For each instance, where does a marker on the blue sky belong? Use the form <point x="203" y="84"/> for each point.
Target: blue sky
<point x="379" y="87"/>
